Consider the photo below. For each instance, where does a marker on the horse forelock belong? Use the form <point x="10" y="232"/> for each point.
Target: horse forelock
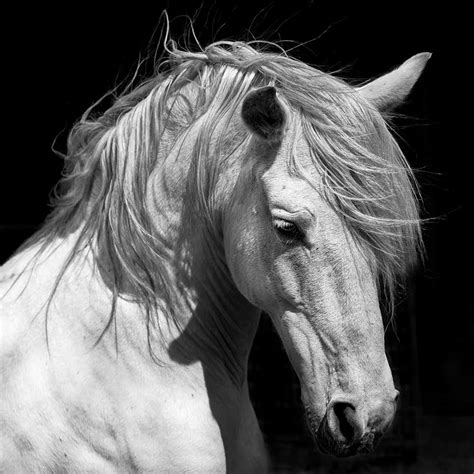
<point x="110" y="158"/>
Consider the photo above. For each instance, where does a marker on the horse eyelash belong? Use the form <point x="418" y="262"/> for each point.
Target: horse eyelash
<point x="288" y="230"/>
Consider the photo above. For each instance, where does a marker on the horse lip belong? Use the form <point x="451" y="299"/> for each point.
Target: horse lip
<point x="328" y="445"/>
<point x="338" y="450"/>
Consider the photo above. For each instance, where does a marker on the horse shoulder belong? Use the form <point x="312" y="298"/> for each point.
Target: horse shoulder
<point x="28" y="415"/>
<point x="75" y="409"/>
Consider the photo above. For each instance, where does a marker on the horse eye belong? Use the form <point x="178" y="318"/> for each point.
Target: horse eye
<point x="287" y="230"/>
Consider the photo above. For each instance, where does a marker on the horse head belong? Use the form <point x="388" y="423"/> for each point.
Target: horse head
<point x="307" y="239"/>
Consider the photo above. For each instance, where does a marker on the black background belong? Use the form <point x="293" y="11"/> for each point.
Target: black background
<point x="58" y="61"/>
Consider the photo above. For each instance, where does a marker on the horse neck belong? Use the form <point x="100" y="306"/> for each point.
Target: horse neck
<point x="218" y="323"/>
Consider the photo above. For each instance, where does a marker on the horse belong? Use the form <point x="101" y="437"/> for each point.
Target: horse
<point x="235" y="180"/>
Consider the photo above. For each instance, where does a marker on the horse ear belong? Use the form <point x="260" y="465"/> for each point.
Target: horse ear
<point x="390" y="90"/>
<point x="263" y="114"/>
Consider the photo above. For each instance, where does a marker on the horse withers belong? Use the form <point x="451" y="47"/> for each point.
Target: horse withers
<point x="234" y="182"/>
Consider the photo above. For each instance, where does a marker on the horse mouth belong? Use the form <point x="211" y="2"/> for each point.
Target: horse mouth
<point x="327" y="444"/>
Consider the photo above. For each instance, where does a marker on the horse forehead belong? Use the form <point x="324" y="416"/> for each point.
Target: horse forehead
<point x="282" y="188"/>
<point x="294" y="149"/>
<point x="282" y="185"/>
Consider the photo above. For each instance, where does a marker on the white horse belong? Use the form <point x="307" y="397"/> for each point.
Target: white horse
<point x="235" y="182"/>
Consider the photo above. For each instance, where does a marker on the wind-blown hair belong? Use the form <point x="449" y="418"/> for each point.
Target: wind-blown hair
<point x="110" y="158"/>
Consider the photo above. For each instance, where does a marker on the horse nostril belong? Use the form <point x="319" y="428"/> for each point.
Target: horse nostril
<point x="397" y="394"/>
<point x="347" y="421"/>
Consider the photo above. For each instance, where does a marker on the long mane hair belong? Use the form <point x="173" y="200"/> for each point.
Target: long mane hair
<point x="110" y="157"/>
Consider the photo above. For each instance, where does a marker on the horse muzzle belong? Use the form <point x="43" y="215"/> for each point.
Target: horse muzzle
<point x="348" y="428"/>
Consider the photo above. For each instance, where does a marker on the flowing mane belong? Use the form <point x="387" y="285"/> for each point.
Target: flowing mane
<point x="109" y="159"/>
